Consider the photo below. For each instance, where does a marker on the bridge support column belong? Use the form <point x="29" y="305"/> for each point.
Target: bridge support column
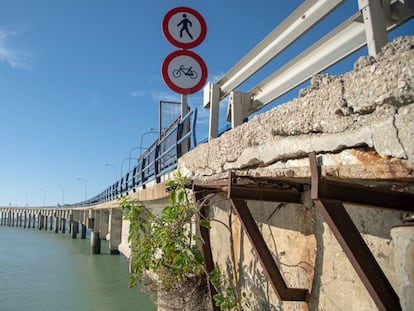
<point x="63" y="225"/>
<point x="34" y="220"/>
<point x="115" y="230"/>
<point x="45" y="221"/>
<point x="74" y="229"/>
<point x="70" y="222"/>
<point x="41" y="220"/>
<point x="25" y="220"/>
<point x="56" y="223"/>
<point x="83" y="231"/>
<point x="12" y="221"/>
<point x="95" y="243"/>
<point x="51" y="222"/>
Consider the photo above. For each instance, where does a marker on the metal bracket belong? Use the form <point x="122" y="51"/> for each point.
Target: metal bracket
<point x="351" y="241"/>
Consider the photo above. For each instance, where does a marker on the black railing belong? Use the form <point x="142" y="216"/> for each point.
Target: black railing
<point x="159" y="159"/>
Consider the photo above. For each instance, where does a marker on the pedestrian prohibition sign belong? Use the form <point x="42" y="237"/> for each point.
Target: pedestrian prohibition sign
<point x="184" y="72"/>
<point x="184" y="27"/>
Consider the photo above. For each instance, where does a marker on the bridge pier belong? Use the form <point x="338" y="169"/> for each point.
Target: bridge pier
<point x="95" y="243"/>
<point x="83" y="231"/>
<point x="34" y="220"/>
<point x="115" y="230"/>
<point x="74" y="229"/>
<point x="51" y="221"/>
<point x="63" y="225"/>
<point x="56" y="223"/>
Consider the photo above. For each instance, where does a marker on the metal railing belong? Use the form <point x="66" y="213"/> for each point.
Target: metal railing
<point x="159" y="159"/>
<point x="369" y="26"/>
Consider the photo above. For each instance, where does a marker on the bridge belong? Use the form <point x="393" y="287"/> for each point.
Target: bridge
<point x="322" y="186"/>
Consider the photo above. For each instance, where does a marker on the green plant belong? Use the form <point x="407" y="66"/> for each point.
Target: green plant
<point x="165" y="243"/>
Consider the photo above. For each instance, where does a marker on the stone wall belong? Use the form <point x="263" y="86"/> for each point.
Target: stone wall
<point x="361" y="125"/>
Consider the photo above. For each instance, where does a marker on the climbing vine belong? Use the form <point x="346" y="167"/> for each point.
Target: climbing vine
<point x="165" y="244"/>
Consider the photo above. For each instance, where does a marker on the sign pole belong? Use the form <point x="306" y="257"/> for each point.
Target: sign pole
<point x="184" y="105"/>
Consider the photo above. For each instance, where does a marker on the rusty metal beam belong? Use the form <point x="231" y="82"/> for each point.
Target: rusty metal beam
<point x="208" y="257"/>
<point x="362" y="195"/>
<point x="357" y="194"/>
<point x="272" y="195"/>
<point x="258" y="243"/>
<point x="359" y="254"/>
<point x="354" y="245"/>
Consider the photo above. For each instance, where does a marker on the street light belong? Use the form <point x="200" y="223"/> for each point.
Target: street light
<point x="63" y="194"/>
<point x="150" y="130"/>
<point x="86" y="187"/>
<point x="113" y="167"/>
<point x="129" y="165"/>
<point x="122" y="164"/>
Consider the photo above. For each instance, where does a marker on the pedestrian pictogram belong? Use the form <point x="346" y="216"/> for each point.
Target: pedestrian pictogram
<point x="184" y="72"/>
<point x="184" y="27"/>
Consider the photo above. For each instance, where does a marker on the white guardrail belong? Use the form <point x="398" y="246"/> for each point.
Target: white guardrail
<point x="369" y="26"/>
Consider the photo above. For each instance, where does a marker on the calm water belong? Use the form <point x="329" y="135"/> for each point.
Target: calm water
<point x="46" y="271"/>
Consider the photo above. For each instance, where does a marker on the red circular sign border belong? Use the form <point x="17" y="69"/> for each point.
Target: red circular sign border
<point x="170" y="83"/>
<point x="179" y="44"/>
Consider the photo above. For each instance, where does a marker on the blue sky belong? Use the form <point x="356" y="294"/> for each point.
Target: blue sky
<point x="80" y="83"/>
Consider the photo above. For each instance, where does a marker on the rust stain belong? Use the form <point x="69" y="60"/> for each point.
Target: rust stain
<point x="368" y="156"/>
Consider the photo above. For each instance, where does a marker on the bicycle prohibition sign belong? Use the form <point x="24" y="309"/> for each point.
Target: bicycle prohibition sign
<point x="185" y="71"/>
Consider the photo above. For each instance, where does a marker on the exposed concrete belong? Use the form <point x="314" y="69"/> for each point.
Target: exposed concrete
<point x="403" y="238"/>
<point x="371" y="107"/>
<point x="361" y="125"/>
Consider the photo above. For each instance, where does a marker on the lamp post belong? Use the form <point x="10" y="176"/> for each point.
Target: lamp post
<point x="122" y="164"/>
<point x="129" y="165"/>
<point x="150" y="130"/>
<point x="44" y="196"/>
<point x="63" y="193"/>
<point x="86" y="186"/>
<point x="113" y="167"/>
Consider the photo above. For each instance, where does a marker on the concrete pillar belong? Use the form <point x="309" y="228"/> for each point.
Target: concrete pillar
<point x="104" y="224"/>
<point x="25" y="219"/>
<point x="95" y="243"/>
<point x="41" y="221"/>
<point x="115" y="230"/>
<point x="21" y="219"/>
<point x="83" y="231"/>
<point x="63" y="225"/>
<point x="403" y="240"/>
<point x="12" y="221"/>
<point x="34" y="220"/>
<point x="51" y="222"/>
<point x="1" y="220"/>
<point x="70" y="222"/>
<point x="56" y="223"/>
<point x="9" y="219"/>
<point x="73" y="229"/>
<point x="46" y="221"/>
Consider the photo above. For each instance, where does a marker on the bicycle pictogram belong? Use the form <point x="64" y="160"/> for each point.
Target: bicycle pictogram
<point x="186" y="71"/>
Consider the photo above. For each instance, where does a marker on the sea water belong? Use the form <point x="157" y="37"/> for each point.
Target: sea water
<point x="47" y="271"/>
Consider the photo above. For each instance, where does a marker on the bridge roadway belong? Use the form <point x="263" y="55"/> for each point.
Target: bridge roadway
<point x="104" y="220"/>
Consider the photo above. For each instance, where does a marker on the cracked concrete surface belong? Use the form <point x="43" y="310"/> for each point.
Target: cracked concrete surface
<point x="371" y="107"/>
